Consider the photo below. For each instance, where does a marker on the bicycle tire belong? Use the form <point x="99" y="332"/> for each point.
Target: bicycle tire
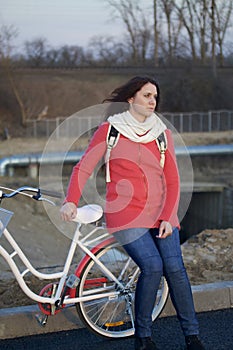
<point x="110" y="318"/>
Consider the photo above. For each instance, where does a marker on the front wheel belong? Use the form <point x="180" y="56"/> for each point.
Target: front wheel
<point x="113" y="316"/>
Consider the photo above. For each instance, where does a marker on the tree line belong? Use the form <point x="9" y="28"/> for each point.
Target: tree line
<point x="166" y="32"/>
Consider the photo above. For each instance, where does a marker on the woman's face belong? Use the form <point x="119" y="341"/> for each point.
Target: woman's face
<point x="143" y="104"/>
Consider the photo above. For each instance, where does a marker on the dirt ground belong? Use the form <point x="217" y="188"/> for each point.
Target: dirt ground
<point x="208" y="256"/>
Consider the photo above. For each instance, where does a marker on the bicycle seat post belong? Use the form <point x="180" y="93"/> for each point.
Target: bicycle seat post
<point x="77" y="232"/>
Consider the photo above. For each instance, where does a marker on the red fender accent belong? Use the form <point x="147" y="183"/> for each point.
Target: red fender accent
<point x="87" y="258"/>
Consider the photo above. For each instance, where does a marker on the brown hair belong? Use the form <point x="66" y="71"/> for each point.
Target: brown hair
<point x="124" y="92"/>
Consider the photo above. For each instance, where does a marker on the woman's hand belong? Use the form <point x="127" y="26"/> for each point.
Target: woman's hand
<point x="165" y="229"/>
<point x="68" y="211"/>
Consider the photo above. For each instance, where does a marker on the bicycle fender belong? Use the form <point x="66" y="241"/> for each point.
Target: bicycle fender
<point x="85" y="260"/>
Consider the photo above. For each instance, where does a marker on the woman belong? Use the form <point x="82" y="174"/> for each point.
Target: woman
<point x="142" y="198"/>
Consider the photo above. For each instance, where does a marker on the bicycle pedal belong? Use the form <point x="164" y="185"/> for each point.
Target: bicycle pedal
<point x="42" y="319"/>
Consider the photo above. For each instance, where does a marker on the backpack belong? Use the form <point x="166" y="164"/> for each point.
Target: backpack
<point x="113" y="137"/>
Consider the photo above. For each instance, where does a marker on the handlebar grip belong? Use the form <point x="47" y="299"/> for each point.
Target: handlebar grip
<point x="53" y="194"/>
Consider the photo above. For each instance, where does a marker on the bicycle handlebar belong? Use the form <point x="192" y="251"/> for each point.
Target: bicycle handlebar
<point x="36" y="196"/>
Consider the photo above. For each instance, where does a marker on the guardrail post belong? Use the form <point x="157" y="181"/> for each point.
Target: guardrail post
<point x="181" y="122"/>
<point x="209" y="121"/>
<point x="57" y="123"/>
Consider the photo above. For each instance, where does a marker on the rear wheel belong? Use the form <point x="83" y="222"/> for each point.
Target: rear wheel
<point x="113" y="316"/>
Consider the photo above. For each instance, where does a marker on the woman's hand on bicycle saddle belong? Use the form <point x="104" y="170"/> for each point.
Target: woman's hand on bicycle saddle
<point x="165" y="229"/>
<point x="68" y="211"/>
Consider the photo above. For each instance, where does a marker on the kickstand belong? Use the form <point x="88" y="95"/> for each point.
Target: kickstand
<point x="42" y="319"/>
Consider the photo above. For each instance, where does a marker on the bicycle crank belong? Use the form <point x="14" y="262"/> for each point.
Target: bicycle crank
<point x="47" y="309"/>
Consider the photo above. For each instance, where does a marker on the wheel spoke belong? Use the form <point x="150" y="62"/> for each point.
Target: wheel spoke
<point x="112" y="317"/>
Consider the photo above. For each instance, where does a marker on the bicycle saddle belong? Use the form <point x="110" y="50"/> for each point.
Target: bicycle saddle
<point x="88" y="213"/>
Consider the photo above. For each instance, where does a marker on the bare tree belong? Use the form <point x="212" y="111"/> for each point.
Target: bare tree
<point x="167" y="7"/>
<point x="156" y="33"/>
<point x="70" y="56"/>
<point x="36" y="51"/>
<point x="204" y="21"/>
<point x="185" y="13"/>
<point x="200" y="10"/>
<point x="138" y="30"/>
<point x="221" y="16"/>
<point x="52" y="57"/>
<point x="213" y="39"/>
<point x="107" y="51"/>
<point x="7" y="36"/>
<point x="196" y="22"/>
<point x="173" y="25"/>
<point x="30" y="106"/>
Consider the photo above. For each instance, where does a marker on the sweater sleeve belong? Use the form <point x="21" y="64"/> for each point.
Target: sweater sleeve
<point x="171" y="174"/>
<point x="84" y="168"/>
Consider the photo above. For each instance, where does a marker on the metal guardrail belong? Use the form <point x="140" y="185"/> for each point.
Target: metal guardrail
<point x="8" y="164"/>
<point x="210" y="121"/>
<point x="221" y="120"/>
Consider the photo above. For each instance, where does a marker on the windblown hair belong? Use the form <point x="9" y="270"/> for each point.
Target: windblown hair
<point x="124" y="92"/>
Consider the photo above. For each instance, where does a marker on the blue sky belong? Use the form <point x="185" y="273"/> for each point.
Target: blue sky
<point x="71" y="22"/>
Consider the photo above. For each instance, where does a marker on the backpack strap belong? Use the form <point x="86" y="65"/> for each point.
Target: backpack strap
<point x="162" y="146"/>
<point x="112" y="136"/>
<point x="111" y="140"/>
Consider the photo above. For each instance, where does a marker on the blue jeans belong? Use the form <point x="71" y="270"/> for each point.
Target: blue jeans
<point x="157" y="257"/>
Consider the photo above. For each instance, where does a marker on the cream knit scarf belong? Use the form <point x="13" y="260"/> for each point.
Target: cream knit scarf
<point x="136" y="131"/>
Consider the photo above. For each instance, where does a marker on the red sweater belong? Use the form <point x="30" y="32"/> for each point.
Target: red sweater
<point x="141" y="193"/>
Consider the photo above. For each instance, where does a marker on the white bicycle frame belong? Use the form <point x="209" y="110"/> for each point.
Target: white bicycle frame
<point x="76" y="241"/>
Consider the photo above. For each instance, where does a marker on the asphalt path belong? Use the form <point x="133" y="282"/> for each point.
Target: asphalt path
<point x="216" y="330"/>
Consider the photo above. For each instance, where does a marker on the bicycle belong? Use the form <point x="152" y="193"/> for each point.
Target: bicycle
<point x="103" y="285"/>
